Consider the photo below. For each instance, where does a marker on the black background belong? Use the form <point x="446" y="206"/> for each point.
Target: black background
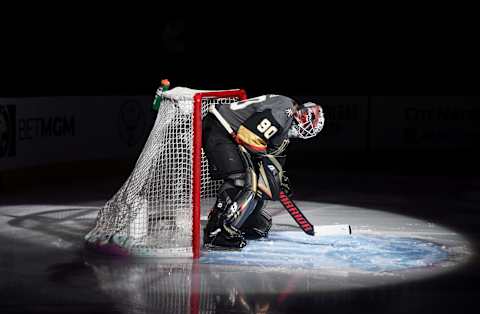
<point x="85" y="52"/>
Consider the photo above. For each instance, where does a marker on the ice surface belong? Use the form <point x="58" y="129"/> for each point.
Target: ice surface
<point x="295" y="250"/>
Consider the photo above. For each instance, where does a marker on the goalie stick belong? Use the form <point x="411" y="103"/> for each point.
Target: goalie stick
<point x="296" y="214"/>
<point x="287" y="203"/>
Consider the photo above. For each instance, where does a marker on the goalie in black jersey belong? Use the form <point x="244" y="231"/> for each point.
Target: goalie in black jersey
<point x="250" y="161"/>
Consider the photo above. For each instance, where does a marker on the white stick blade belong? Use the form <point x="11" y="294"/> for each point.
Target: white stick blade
<point x="332" y="230"/>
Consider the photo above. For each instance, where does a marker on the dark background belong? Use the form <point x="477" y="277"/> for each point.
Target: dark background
<point x="83" y="54"/>
<point x="95" y="52"/>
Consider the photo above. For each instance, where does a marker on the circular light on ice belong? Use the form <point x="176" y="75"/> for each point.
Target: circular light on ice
<point x="292" y="249"/>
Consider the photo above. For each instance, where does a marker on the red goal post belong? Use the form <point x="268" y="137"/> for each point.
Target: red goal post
<point x="197" y="157"/>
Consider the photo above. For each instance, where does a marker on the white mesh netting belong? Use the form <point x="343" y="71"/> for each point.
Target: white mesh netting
<point x="151" y="214"/>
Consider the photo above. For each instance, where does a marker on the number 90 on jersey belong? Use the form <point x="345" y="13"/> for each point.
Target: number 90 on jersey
<point x="266" y="128"/>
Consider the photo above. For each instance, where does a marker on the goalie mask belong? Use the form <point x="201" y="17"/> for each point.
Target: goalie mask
<point x="308" y="121"/>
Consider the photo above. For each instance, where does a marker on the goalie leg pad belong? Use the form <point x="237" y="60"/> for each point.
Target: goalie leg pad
<point x="270" y="176"/>
<point x="258" y="223"/>
<point x="214" y="221"/>
<point x="239" y="188"/>
<point x="216" y="233"/>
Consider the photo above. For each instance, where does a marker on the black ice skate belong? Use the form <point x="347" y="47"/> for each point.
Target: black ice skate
<point x="220" y="239"/>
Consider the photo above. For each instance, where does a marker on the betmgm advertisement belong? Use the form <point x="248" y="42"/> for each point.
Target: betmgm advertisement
<point x="41" y="131"/>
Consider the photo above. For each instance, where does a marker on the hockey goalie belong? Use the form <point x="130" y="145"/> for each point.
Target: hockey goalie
<point x="245" y="144"/>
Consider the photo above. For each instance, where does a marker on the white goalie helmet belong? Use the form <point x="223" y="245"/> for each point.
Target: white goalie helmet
<point x="309" y="121"/>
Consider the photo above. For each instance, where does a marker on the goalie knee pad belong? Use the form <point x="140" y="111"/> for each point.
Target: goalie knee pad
<point x="233" y="185"/>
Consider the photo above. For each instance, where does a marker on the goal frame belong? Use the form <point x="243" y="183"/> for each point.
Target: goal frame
<point x="157" y="210"/>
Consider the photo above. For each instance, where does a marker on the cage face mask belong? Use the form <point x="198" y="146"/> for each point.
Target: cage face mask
<point x="309" y="121"/>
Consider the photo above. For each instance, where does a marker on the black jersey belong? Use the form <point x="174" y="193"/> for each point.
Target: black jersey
<point x="261" y="123"/>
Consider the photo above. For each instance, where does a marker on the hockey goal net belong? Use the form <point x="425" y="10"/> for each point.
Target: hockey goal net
<point x="157" y="210"/>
